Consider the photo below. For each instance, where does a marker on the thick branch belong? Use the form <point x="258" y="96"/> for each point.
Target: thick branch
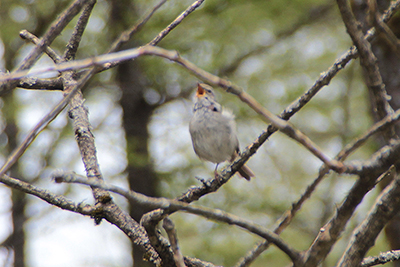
<point x="287" y="217"/>
<point x="78" y="113"/>
<point x="382" y="258"/>
<point x="369" y="173"/>
<point x="368" y="59"/>
<point x="363" y="238"/>
<point x="41" y="84"/>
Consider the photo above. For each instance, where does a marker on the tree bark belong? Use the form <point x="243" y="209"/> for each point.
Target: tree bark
<point x="389" y="66"/>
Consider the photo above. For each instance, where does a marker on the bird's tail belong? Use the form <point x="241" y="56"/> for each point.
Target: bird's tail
<point x="245" y="172"/>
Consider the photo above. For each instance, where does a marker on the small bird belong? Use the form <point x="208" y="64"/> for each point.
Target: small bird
<point x="213" y="130"/>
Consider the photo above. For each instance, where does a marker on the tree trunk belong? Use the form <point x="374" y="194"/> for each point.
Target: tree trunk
<point x="136" y="116"/>
<point x="16" y="240"/>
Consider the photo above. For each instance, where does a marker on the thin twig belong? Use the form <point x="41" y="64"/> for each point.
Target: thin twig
<point x="76" y="37"/>
<point x="55" y="29"/>
<point x="160" y="36"/>
<point x="46" y="195"/>
<point x="127" y="35"/>
<point x="26" y="35"/>
<point x="292" y="132"/>
<point x="175" y="23"/>
<point x="388" y="121"/>
<point x="169" y="227"/>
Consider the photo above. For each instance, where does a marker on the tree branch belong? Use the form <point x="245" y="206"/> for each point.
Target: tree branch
<point x="277" y="122"/>
<point x="287" y="217"/>
<point x="169" y="227"/>
<point x="154" y="217"/>
<point x="363" y="237"/>
<point x="26" y="35"/>
<point x="54" y="30"/>
<point x="369" y="172"/>
<point x="368" y="60"/>
<point x="382" y="258"/>
<point x="34" y="83"/>
<point x="127" y="35"/>
<point x="49" y="117"/>
<point x="175" y="23"/>
<point x="51" y="198"/>
<point x="76" y="37"/>
<point x="78" y="113"/>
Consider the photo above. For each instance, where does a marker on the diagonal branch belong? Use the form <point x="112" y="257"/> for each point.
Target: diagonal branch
<point x="370" y="172"/>
<point x="363" y="238"/>
<point x="76" y="37"/>
<point x="78" y="113"/>
<point x="169" y="227"/>
<point x="51" y="198"/>
<point x="126" y="35"/>
<point x="26" y="35"/>
<point x="54" y="30"/>
<point x="277" y="122"/>
<point x="174" y="205"/>
<point x="176" y="22"/>
<point x="368" y="59"/>
<point x="49" y="117"/>
<point x="287" y="217"/>
<point x="382" y="258"/>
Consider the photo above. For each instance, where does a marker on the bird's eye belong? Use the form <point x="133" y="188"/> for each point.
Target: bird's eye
<point x="215" y="109"/>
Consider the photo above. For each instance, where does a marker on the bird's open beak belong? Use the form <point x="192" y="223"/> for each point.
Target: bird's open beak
<point x="200" y="91"/>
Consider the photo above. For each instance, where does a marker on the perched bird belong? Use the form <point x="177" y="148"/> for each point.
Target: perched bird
<point x="213" y="130"/>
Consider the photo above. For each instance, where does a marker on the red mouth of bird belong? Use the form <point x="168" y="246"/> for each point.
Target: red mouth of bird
<point x="200" y="91"/>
